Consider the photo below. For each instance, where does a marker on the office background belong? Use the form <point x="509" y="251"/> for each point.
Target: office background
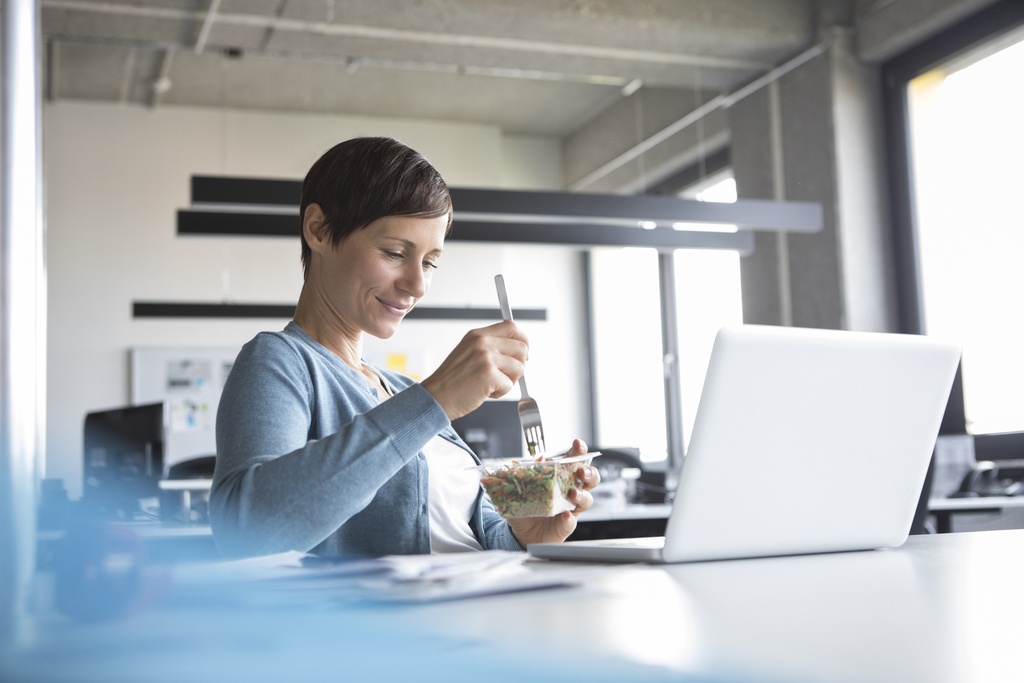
<point x="812" y="127"/>
<point x="117" y="176"/>
<point x="117" y="167"/>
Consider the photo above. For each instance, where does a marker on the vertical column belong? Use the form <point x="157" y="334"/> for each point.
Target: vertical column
<point x="670" y="355"/>
<point x="813" y="135"/>
<point x="783" y="147"/>
<point x="22" y="305"/>
<point x="751" y="135"/>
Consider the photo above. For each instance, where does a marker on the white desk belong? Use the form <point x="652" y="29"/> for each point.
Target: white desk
<point x="942" y="609"/>
<point x="944" y="508"/>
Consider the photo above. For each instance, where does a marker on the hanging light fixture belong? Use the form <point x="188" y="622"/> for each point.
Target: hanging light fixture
<point x="262" y="207"/>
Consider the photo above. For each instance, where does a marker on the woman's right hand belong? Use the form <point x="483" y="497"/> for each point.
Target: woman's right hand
<point x="485" y="364"/>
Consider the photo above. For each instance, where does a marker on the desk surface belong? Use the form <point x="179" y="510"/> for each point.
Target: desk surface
<point x="943" y="608"/>
<point x="979" y="503"/>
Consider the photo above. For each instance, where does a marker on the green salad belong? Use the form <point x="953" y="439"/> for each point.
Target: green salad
<point x="530" y="489"/>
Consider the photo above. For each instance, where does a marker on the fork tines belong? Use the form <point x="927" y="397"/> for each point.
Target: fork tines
<point x="529" y="416"/>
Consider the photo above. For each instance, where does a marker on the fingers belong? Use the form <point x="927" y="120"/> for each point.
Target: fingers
<point x="578" y="448"/>
<point x="588" y="476"/>
<point x="507" y="328"/>
<point x="504" y="341"/>
<point x="485" y="364"/>
<point x="564" y="523"/>
<point x="505" y="338"/>
<point x="555" y="529"/>
<point x="567" y="520"/>
<point x="583" y="500"/>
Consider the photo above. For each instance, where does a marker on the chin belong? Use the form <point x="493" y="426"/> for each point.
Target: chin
<point x="383" y="332"/>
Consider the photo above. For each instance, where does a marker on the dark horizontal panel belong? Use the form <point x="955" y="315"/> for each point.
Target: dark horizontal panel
<point x="195" y="222"/>
<point x="188" y="309"/>
<point x="469" y="313"/>
<point x="237" y="223"/>
<point x="192" y="309"/>
<point x="547" y="207"/>
<point x="228" y="190"/>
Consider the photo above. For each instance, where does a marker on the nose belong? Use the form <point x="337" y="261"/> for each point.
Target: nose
<point x="414" y="280"/>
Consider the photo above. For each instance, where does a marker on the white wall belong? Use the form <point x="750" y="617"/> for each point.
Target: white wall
<point x="114" y="178"/>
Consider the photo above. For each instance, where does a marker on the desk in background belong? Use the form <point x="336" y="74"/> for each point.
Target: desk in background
<point x="626" y="521"/>
<point x="185" y="500"/>
<point x="943" y="509"/>
<point x="159" y="543"/>
<point x="944" y="608"/>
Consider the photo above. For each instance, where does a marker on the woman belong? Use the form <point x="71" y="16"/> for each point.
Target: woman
<point x="319" y="451"/>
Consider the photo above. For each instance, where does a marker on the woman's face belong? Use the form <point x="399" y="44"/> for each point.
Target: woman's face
<point x="377" y="274"/>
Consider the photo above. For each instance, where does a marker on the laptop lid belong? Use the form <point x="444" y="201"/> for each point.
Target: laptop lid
<point x="805" y="441"/>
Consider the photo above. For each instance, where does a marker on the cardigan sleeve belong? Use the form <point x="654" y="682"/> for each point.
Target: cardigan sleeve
<point x="277" y="489"/>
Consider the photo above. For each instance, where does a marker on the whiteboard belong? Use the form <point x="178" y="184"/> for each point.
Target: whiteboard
<point x="190" y="381"/>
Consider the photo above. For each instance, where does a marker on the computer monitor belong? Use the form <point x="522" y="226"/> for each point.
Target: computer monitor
<point x="123" y="457"/>
<point x="493" y="430"/>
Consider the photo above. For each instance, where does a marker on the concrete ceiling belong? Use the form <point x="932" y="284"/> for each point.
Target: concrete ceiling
<point x="533" y="67"/>
<point x="612" y="80"/>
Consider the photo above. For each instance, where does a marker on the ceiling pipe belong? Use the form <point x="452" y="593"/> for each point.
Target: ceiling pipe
<point x="163" y="81"/>
<point x="204" y="32"/>
<point x="721" y="101"/>
<point x="127" y="75"/>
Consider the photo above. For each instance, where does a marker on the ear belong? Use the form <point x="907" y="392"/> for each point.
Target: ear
<point x="315" y="228"/>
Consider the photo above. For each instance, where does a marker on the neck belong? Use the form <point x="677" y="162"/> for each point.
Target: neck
<point x="336" y="337"/>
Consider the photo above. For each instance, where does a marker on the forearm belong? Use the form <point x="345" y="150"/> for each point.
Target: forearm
<point x="272" y="503"/>
<point x="294" y="501"/>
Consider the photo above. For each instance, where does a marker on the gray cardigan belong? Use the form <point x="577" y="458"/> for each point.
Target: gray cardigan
<point x="307" y="459"/>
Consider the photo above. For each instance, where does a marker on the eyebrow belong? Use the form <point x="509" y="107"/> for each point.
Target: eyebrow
<point x="411" y="244"/>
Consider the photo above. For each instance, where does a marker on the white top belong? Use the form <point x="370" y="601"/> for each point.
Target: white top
<point x="452" y="490"/>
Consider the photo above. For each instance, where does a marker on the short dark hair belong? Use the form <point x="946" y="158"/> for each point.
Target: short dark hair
<point x="363" y="179"/>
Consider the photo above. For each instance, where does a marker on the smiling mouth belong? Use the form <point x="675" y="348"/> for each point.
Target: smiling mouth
<point x="395" y="309"/>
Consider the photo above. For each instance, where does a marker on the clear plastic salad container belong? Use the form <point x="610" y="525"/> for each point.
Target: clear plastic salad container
<point x="532" y="488"/>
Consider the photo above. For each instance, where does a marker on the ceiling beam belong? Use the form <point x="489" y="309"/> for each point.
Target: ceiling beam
<point x="382" y="33"/>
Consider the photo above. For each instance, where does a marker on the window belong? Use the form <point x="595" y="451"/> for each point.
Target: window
<point x="629" y="378"/>
<point x="708" y="297"/>
<point x="954" y="107"/>
<point x="967" y="143"/>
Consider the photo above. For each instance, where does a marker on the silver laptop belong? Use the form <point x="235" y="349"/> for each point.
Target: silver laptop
<point x="805" y="441"/>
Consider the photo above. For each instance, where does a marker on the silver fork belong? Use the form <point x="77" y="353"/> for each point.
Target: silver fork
<point x="529" y="413"/>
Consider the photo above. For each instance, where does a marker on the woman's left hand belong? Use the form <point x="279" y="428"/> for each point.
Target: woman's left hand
<point x="558" y="528"/>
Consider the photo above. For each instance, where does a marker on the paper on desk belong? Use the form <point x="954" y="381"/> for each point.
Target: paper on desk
<point x="402" y="578"/>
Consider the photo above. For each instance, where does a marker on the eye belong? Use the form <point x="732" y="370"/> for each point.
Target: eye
<point x="393" y="254"/>
<point x="430" y="265"/>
